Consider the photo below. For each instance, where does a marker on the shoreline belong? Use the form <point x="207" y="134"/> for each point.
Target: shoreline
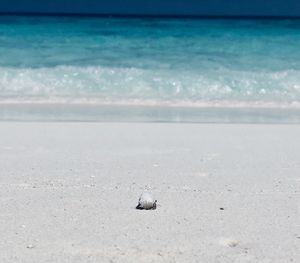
<point x="146" y="113"/>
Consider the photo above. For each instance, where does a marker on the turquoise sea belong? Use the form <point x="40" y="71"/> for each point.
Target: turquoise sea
<point x="149" y="69"/>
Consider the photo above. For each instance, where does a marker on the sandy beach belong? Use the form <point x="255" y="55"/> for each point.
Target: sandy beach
<point x="226" y="193"/>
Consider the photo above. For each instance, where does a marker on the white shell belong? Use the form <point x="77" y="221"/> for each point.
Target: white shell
<point x="146" y="201"/>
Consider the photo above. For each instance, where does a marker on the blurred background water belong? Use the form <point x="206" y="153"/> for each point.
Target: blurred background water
<point x="148" y="62"/>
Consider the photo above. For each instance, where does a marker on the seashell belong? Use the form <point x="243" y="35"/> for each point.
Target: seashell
<point x="147" y="202"/>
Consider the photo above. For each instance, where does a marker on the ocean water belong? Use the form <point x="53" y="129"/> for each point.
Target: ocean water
<point x="79" y="68"/>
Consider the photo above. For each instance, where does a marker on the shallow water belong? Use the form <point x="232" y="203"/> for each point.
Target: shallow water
<point x="149" y="62"/>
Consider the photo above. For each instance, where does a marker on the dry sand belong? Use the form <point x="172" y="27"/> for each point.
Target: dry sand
<point x="226" y="193"/>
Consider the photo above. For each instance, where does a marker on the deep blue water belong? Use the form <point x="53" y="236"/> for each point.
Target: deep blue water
<point x="211" y="63"/>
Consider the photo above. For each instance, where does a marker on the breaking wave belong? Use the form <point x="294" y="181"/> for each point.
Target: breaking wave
<point x="98" y="84"/>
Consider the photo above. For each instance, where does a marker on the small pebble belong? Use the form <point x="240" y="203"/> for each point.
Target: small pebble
<point x="228" y="242"/>
<point x="30" y="246"/>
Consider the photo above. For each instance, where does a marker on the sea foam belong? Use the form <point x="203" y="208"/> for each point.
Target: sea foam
<point x="96" y="84"/>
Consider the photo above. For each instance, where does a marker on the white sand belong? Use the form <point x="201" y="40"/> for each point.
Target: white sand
<point x="69" y="190"/>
